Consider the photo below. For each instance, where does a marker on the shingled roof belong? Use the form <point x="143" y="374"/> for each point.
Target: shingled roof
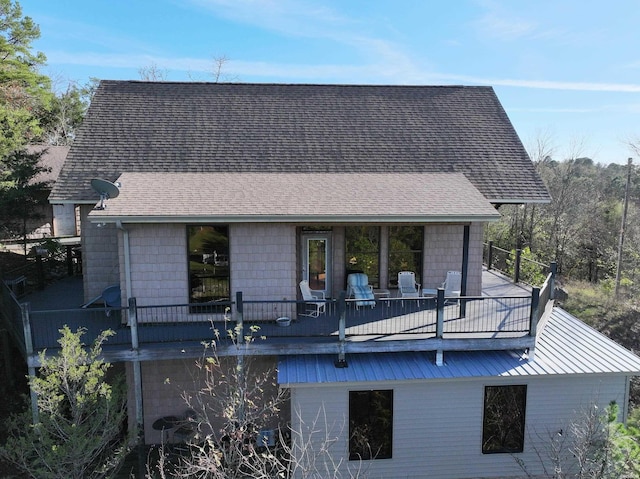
<point x="135" y="126"/>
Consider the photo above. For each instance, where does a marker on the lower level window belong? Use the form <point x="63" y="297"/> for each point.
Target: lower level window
<point x="503" y="422"/>
<point x="370" y="424"/>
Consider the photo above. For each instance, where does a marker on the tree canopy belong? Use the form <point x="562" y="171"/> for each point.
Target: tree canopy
<point x="24" y="91"/>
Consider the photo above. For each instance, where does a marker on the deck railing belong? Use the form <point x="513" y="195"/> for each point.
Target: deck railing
<point x="11" y="313"/>
<point x="516" y="266"/>
<point x="190" y="324"/>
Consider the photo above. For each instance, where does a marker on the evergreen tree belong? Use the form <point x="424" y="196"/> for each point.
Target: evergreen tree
<point x="79" y="433"/>
<point x="24" y="92"/>
<point x="21" y="193"/>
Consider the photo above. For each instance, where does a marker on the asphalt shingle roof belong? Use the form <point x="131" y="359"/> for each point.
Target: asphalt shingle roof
<point x="216" y="127"/>
<point x="350" y="197"/>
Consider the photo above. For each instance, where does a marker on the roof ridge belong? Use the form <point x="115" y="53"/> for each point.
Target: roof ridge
<point x="341" y="85"/>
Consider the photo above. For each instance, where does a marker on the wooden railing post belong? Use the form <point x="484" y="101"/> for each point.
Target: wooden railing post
<point x="132" y="320"/>
<point x="535" y="311"/>
<point x="552" y="283"/>
<point x="39" y="272"/>
<point x="239" y="318"/>
<point x="342" y="326"/>
<point x="516" y="267"/>
<point x="490" y="256"/>
<point x="440" y="313"/>
<point x="440" y="324"/>
<point x="69" y="260"/>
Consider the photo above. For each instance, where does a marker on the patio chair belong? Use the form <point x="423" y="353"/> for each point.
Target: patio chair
<point x="452" y="286"/>
<point x="358" y="287"/>
<point x="310" y="296"/>
<point x="407" y="286"/>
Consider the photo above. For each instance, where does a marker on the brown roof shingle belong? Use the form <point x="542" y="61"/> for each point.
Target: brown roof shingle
<point x="216" y="127"/>
<point x="352" y="197"/>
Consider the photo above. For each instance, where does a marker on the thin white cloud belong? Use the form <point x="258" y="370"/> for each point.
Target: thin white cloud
<point x="89" y="34"/>
<point x="531" y="22"/>
<point x="555" y="110"/>
<point x="544" y="84"/>
<point x="301" y="18"/>
<point x="496" y="26"/>
<point x="287" y="17"/>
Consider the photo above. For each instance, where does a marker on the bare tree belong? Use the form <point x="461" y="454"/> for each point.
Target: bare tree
<point x="236" y="427"/>
<point x="592" y="446"/>
<point x="152" y="72"/>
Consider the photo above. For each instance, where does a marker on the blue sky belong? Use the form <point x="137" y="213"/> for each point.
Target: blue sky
<point x="565" y="70"/>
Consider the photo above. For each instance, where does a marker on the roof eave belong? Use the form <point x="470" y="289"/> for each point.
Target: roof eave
<point x="106" y="218"/>
<point x="519" y="201"/>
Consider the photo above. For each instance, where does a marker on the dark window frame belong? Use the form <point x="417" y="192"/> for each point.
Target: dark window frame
<point x="504" y="419"/>
<point x="370" y="424"/>
<point x="208" y="261"/>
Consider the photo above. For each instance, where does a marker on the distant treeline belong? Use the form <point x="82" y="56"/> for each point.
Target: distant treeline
<point x="580" y="228"/>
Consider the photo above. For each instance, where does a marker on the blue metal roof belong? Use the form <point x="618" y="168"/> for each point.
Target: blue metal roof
<point x="565" y="345"/>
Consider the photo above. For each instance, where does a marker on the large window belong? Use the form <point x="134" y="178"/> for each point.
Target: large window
<point x="405" y="252"/>
<point x="208" y="263"/>
<point x="362" y="251"/>
<point x="370" y="424"/>
<point x="503" y="422"/>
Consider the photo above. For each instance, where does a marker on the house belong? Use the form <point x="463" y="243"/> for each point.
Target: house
<point x="230" y="195"/>
<point x="51" y="159"/>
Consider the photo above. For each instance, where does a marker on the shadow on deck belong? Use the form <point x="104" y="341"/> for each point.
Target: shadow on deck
<point x="503" y="312"/>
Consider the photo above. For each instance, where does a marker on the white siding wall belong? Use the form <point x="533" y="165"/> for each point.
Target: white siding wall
<point x="437" y="430"/>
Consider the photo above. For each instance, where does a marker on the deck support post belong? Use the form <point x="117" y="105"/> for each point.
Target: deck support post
<point x="25" y="308"/>
<point x="439" y="357"/>
<point x="137" y="370"/>
<point x="239" y="330"/>
<point x="341" y="362"/>
<point x="240" y="369"/>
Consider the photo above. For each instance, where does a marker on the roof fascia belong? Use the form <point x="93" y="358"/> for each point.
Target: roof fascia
<point x="105" y="218"/>
<point x="515" y="201"/>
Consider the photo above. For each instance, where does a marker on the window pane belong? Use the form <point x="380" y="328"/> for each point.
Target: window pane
<point x="405" y="252"/>
<point x="208" y="263"/>
<point x="370" y="424"/>
<point x="362" y="251"/>
<point x="503" y="422"/>
<point x="317" y="249"/>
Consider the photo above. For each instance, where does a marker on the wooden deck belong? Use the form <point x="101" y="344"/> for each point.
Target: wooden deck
<point x="499" y="319"/>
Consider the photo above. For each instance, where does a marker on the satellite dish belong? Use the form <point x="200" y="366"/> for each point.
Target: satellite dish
<point x="105" y="189"/>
